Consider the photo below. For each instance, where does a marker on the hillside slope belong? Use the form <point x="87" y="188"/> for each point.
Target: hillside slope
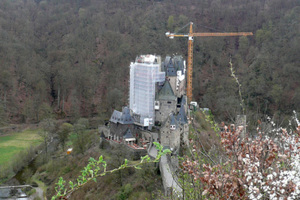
<point x="71" y="58"/>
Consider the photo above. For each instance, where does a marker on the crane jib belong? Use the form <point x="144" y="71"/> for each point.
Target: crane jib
<point x="222" y="34"/>
<point x="191" y="35"/>
<point x="210" y="34"/>
<point x="176" y="35"/>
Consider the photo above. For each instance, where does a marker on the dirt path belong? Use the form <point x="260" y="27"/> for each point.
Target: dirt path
<point x="39" y="193"/>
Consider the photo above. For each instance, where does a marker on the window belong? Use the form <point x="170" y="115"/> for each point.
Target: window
<point x="172" y="127"/>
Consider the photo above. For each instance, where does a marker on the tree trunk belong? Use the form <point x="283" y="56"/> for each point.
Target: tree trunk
<point x="58" y="97"/>
<point x="63" y="102"/>
<point x="4" y="100"/>
<point x="46" y="146"/>
<point x="212" y="70"/>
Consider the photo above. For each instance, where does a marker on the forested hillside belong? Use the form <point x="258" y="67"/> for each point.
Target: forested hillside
<point x="70" y="58"/>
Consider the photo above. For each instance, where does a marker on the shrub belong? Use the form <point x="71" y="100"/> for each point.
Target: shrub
<point x="125" y="192"/>
<point x="263" y="167"/>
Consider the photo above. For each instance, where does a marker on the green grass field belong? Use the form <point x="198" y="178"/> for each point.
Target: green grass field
<point x="14" y="143"/>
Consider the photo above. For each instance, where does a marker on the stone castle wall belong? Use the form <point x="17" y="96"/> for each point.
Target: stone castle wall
<point x="130" y="153"/>
<point x="165" y="108"/>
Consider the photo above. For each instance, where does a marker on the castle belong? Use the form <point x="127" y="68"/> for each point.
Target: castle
<point x="157" y="109"/>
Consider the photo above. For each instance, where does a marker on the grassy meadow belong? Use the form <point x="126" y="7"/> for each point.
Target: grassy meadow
<point x="14" y="143"/>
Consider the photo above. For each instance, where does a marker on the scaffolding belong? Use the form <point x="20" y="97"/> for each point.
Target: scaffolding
<point x="145" y="72"/>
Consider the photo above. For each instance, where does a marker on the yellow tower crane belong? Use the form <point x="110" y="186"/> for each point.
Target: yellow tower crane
<point x="190" y="36"/>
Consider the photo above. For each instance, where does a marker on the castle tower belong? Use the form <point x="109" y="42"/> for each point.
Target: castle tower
<point x="175" y="72"/>
<point x="145" y="72"/>
<point x="165" y="103"/>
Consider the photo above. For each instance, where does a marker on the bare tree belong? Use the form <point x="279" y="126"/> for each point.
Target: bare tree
<point x="48" y="128"/>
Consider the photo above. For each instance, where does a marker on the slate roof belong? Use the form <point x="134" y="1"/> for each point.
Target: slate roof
<point x="166" y="92"/>
<point x="123" y="117"/>
<point x="172" y="65"/>
<point x="169" y="67"/>
<point x="183" y="101"/>
<point x="128" y="134"/>
<point x="167" y="62"/>
<point x="181" y="116"/>
<point x="173" y="120"/>
<point x="178" y="63"/>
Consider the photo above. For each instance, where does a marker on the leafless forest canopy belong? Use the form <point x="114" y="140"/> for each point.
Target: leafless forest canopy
<point x="70" y="58"/>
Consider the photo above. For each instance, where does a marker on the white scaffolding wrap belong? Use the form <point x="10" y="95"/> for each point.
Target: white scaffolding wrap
<point x="144" y="73"/>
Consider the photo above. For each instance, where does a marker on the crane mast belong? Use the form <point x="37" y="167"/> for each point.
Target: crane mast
<point x="190" y="36"/>
<point x="189" y="87"/>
